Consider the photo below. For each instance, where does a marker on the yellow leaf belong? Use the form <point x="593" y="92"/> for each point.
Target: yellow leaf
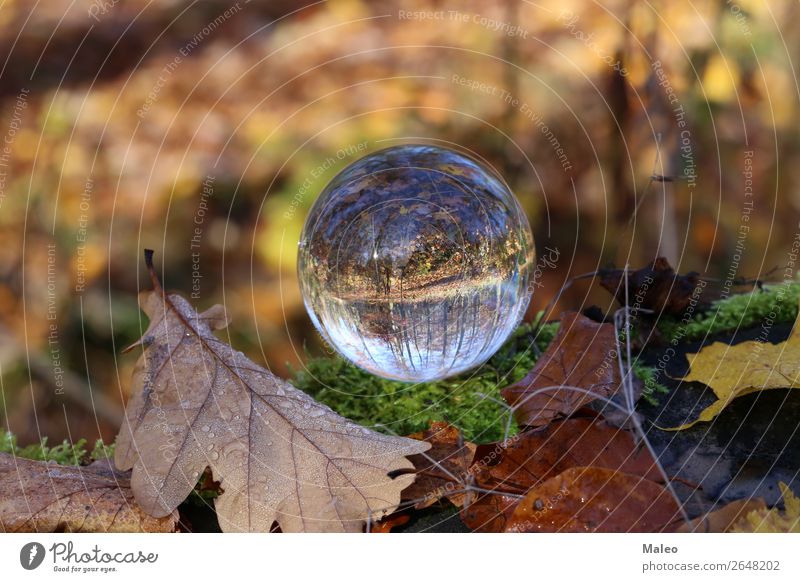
<point x="725" y="518"/>
<point x="773" y="520"/>
<point x="721" y="80"/>
<point x="735" y="370"/>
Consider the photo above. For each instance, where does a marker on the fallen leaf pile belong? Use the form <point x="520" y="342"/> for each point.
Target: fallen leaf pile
<point x="569" y="469"/>
<point x="277" y="460"/>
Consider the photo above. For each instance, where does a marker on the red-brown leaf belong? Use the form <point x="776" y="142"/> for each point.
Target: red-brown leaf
<point x="592" y="499"/>
<point x="535" y="456"/>
<point x="583" y="354"/>
<point x="489" y="513"/>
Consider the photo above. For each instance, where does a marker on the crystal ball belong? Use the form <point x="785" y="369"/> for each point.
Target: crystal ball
<point x="415" y="263"/>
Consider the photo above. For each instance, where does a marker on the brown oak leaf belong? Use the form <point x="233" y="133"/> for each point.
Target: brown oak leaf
<point x="279" y="455"/>
<point x="582" y="355"/>
<point x="46" y="497"/>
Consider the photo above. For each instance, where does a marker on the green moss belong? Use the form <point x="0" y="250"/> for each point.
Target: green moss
<point x="102" y="451"/>
<point x="470" y="401"/>
<point x="776" y="303"/>
<point x="649" y="378"/>
<point x="65" y="453"/>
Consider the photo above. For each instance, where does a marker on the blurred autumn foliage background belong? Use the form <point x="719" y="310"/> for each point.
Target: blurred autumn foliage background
<point x="205" y="130"/>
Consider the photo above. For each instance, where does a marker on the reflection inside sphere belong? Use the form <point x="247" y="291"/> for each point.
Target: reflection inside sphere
<point x="414" y="263"/>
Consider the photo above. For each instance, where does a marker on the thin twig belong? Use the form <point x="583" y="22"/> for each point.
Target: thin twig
<point x="627" y="383"/>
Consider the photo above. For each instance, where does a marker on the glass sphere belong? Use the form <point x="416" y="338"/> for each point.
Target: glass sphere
<point x="415" y="263"/>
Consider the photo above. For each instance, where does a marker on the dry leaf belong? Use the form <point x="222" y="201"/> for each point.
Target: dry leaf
<point x="724" y="518"/>
<point x="279" y="455"/>
<point x="773" y="520"/>
<point x="535" y="456"/>
<point x="583" y="354"/>
<point x="46" y="497"/>
<point x="735" y="370"/>
<point x="489" y="512"/>
<point x="532" y="457"/>
<point x="442" y="471"/>
<point x="656" y="287"/>
<point x="591" y="499"/>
